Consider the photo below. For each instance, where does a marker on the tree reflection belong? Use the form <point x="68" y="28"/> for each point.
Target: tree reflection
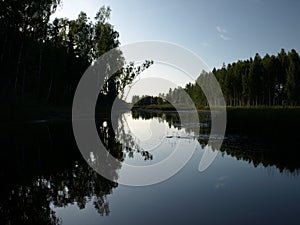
<point x="278" y="152"/>
<point x="129" y="142"/>
<point x="41" y="168"/>
<point x="30" y="203"/>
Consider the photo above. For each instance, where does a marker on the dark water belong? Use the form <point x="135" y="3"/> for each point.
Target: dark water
<point x="44" y="179"/>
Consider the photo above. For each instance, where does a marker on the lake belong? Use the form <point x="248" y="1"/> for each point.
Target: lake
<point x="44" y="179"/>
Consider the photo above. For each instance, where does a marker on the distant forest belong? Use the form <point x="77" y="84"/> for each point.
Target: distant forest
<point x="268" y="81"/>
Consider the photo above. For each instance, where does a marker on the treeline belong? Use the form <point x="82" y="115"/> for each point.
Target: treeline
<point x="268" y="81"/>
<point x="147" y="100"/>
<point x="41" y="63"/>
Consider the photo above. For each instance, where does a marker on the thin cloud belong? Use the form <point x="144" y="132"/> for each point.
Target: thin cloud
<point x="222" y="33"/>
<point x="221" y="30"/>
<point x="225" y="38"/>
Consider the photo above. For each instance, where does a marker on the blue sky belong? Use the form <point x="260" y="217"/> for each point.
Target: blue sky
<point x="216" y="30"/>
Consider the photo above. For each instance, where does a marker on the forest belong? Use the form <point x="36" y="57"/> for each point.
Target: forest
<point x="268" y="81"/>
<point x="42" y="61"/>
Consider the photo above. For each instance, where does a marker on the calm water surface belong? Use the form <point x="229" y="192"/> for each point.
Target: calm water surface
<point x="44" y="179"/>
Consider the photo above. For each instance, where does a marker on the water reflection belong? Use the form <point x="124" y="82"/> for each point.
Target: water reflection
<point x="257" y="150"/>
<point x="128" y="141"/>
<point x="41" y="167"/>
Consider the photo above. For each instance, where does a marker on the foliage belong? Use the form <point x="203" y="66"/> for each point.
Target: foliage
<point x="41" y="63"/>
<point x="268" y="81"/>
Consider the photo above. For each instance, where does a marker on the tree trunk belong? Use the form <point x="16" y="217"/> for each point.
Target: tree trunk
<point x="40" y="72"/>
<point x="3" y="49"/>
<point x="23" y="83"/>
<point x="18" y="67"/>
<point x="50" y="89"/>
